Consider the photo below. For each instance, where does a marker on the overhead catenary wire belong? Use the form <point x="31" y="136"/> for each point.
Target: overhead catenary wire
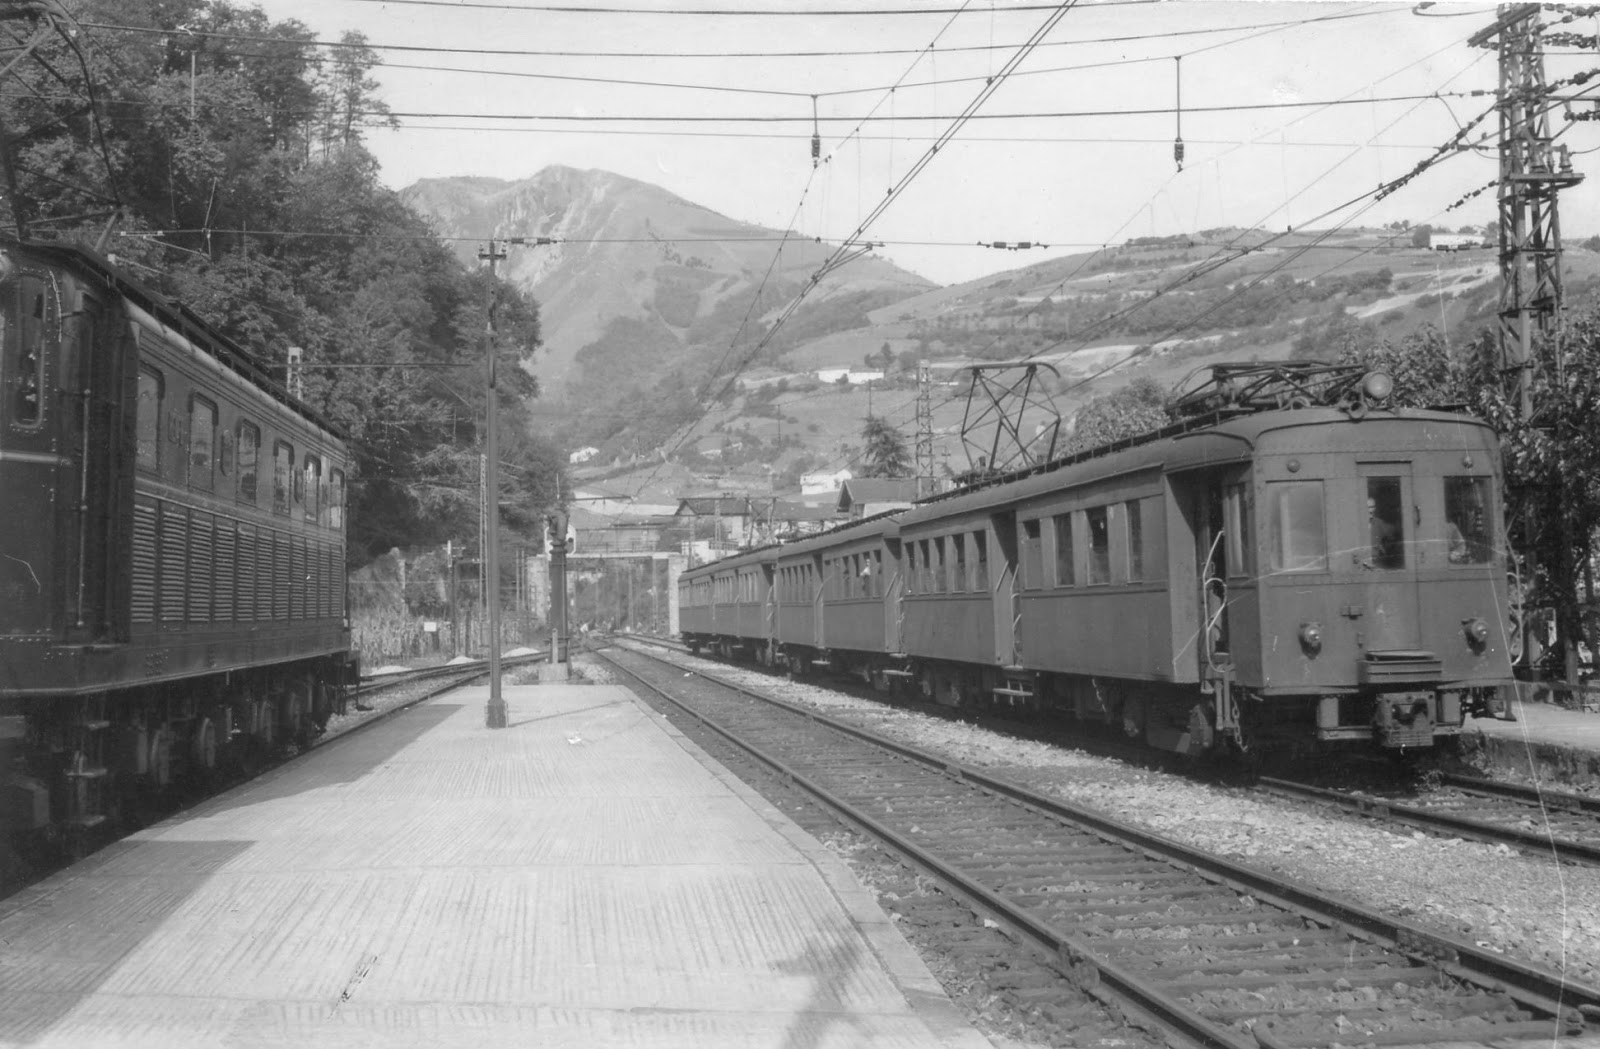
<point x="854" y="242"/>
<point x="950" y="49"/>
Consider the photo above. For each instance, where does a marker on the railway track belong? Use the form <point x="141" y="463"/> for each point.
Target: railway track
<point x="1194" y="947"/>
<point x="1535" y="820"/>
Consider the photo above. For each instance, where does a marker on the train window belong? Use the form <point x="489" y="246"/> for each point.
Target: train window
<point x="202" y="442"/>
<point x="1032" y="566"/>
<point x="1066" y="570"/>
<point x="1099" y="545"/>
<point x="1237" y="525"/>
<point x="877" y="573"/>
<point x="940" y="582"/>
<point x="25" y="351"/>
<point x="980" y="563"/>
<point x="297" y="483"/>
<point x="958" y="562"/>
<point x="249" y="453"/>
<point x="282" y="469"/>
<point x="912" y="567"/>
<point x="313" y="485"/>
<point x="151" y="387"/>
<point x="1295" y="531"/>
<point x="1135" y="540"/>
<point x="1386" y="523"/>
<point x="336" y="499"/>
<point x="1468" y="534"/>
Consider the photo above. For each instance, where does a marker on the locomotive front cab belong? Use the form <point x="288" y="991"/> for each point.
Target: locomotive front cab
<point x="30" y="320"/>
<point x="1383" y="599"/>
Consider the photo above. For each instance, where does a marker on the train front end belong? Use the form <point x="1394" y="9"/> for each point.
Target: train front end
<point x="1377" y="606"/>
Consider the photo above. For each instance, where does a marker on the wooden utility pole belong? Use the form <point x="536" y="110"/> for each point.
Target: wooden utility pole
<point x="495" y="716"/>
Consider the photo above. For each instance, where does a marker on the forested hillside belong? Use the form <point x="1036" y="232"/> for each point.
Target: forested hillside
<point x="231" y="174"/>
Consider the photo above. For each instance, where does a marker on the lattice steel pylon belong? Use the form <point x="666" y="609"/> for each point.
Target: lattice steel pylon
<point x="1531" y="175"/>
<point x="924" y="450"/>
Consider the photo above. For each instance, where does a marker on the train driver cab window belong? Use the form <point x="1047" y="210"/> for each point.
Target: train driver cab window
<point x="1469" y="537"/>
<point x="149" y="420"/>
<point x="24" y="342"/>
<point x="1386" y="523"/>
<point x="282" y="476"/>
<point x="1099" y="545"/>
<point x="1295" y="532"/>
<point x="313" y="485"/>
<point x="202" y="442"/>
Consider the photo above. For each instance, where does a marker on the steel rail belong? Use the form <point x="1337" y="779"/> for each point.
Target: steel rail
<point x="1546" y="990"/>
<point x="1078" y="961"/>
<point x="1462" y="826"/>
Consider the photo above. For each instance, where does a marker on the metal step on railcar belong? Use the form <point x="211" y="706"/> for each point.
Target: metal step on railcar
<point x="1018" y="687"/>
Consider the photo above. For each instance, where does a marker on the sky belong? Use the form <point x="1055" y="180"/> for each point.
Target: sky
<point x="1291" y="114"/>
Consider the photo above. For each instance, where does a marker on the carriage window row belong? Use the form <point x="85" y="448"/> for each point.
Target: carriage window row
<point x="954" y="564"/>
<point x="236" y="454"/>
<point x="855" y="575"/>
<point x="794" y="584"/>
<point x="1081" y="548"/>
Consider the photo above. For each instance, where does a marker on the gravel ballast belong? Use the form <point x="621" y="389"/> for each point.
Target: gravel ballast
<point x="1524" y="906"/>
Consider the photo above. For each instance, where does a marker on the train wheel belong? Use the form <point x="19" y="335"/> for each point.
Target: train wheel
<point x="203" y="745"/>
<point x="160" y="764"/>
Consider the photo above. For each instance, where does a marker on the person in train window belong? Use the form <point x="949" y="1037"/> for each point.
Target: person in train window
<point x="1385" y="538"/>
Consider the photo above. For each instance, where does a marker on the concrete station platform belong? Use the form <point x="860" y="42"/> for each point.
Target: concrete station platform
<point x="584" y="878"/>
<point x="1547" y="741"/>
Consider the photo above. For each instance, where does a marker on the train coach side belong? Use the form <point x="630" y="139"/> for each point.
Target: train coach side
<point x="728" y="606"/>
<point x="839" y="599"/>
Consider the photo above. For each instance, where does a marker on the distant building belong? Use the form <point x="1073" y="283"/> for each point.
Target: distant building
<point x="866" y="496"/>
<point x="854" y="378"/>
<point x="583" y="455"/>
<point x="821" y="481"/>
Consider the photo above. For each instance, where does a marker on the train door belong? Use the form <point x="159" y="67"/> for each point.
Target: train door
<point x="98" y="485"/>
<point x="1384" y="558"/>
<point x="1003" y="587"/>
<point x="32" y="468"/>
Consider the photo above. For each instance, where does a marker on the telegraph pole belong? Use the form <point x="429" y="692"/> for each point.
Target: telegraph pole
<point x="1532" y="173"/>
<point x="495" y="716"/>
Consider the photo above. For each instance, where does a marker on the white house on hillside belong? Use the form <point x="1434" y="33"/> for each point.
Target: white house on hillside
<point x="812" y="483"/>
<point x="854" y="378"/>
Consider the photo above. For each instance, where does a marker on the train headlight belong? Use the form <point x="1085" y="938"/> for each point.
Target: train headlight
<point x="1311" y="637"/>
<point x="1477" y="631"/>
<point x="1377" y="386"/>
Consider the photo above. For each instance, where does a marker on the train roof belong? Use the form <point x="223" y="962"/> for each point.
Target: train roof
<point x="1183" y="446"/>
<point x="876" y="526"/>
<point x="200" y="332"/>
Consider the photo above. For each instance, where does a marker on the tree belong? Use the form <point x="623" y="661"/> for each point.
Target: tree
<point x="885" y="453"/>
<point x="1422" y="236"/>
<point x="1137" y="408"/>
